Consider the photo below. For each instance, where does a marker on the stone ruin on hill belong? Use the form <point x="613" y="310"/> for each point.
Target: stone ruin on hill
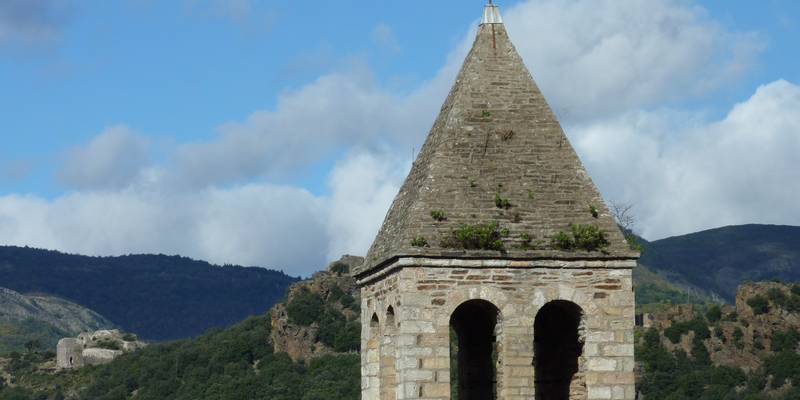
<point x="94" y="348"/>
<point x="497" y="235"/>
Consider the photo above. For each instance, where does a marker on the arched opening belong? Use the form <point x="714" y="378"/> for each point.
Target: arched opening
<point x="390" y="321"/>
<point x="388" y="358"/>
<point x="374" y="324"/>
<point x="372" y="355"/>
<point x="473" y="351"/>
<point x="557" y="346"/>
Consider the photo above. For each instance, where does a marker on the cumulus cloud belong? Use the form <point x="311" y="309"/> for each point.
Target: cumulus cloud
<point x="595" y="57"/>
<point x="30" y="22"/>
<point x="256" y="224"/>
<point x="336" y="112"/>
<point x="362" y="188"/>
<point x="684" y="173"/>
<point x="113" y="159"/>
<point x="601" y="63"/>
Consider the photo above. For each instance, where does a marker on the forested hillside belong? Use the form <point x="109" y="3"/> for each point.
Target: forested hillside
<point x="718" y="260"/>
<point x="155" y="296"/>
<point x="234" y="363"/>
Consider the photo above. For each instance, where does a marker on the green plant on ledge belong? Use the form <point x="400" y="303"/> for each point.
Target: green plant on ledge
<point x="475" y="237"/>
<point x="633" y="243"/>
<point x="580" y="237"/>
<point x="501" y="202"/>
<point x="525" y="241"/>
<point x="594" y="211"/>
<point x="419" y="241"/>
<point x="438" y="215"/>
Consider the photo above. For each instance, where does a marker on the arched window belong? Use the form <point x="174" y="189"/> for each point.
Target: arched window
<point x="473" y="351"/>
<point x="388" y="358"/>
<point x="390" y="320"/>
<point x="374" y="324"/>
<point x="557" y="346"/>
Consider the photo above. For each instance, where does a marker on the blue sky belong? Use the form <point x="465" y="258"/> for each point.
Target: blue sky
<point x="255" y="129"/>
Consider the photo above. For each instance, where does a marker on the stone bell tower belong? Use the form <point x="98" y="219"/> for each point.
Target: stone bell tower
<point x="498" y="272"/>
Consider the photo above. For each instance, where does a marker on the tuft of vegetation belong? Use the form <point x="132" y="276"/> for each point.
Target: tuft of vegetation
<point x="633" y="243"/>
<point x="305" y="307"/>
<point x="486" y="114"/>
<point x="778" y="297"/>
<point x="129" y="337"/>
<point x="472" y="183"/>
<point x="759" y="304"/>
<point x="419" y="241"/>
<point x="108" y="344"/>
<point x="339" y="268"/>
<point x="678" y="329"/>
<point x="714" y="313"/>
<point x="580" y="237"/>
<point x="594" y="211"/>
<point x="525" y="241"/>
<point x="335" y="330"/>
<point x="475" y="237"/>
<point x="785" y="341"/>
<point x="531" y="195"/>
<point x="501" y="202"/>
<point x="438" y="215"/>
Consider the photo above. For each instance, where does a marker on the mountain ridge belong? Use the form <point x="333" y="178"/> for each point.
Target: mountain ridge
<point x="155" y="296"/>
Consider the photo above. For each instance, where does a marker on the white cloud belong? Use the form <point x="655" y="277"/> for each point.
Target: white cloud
<point x="595" y="57"/>
<point x="362" y="189"/>
<point x="113" y="159"/>
<point x="599" y="62"/>
<point x="30" y="22"/>
<point x="265" y="225"/>
<point x="686" y="174"/>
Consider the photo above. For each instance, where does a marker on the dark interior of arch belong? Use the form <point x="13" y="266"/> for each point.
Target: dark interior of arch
<point x="556" y="347"/>
<point x="472" y="365"/>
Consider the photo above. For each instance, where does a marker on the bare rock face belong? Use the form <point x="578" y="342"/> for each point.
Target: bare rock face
<point x="93" y="348"/>
<point x="302" y="342"/>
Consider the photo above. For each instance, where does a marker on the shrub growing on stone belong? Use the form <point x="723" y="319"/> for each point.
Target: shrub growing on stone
<point x="777" y="296"/>
<point x="785" y="341"/>
<point x="305" y="307"/>
<point x="581" y="237"/>
<point x="475" y="237"/>
<point x="419" y="241"/>
<point x="340" y="268"/>
<point x="714" y="313"/>
<point x="759" y="304"/>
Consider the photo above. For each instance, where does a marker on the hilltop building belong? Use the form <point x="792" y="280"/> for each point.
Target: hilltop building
<point x="94" y="348"/>
<point x="499" y="235"/>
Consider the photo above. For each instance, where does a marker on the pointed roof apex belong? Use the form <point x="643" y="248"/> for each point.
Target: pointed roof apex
<point x="491" y="14"/>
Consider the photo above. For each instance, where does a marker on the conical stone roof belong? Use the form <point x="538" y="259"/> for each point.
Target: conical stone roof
<point x="495" y="155"/>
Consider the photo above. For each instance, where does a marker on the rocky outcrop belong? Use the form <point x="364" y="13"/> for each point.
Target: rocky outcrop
<point x="302" y="342"/>
<point x="742" y="337"/>
<point x="93" y="348"/>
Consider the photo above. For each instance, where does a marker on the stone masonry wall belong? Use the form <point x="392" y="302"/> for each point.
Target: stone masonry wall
<point x="424" y="296"/>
